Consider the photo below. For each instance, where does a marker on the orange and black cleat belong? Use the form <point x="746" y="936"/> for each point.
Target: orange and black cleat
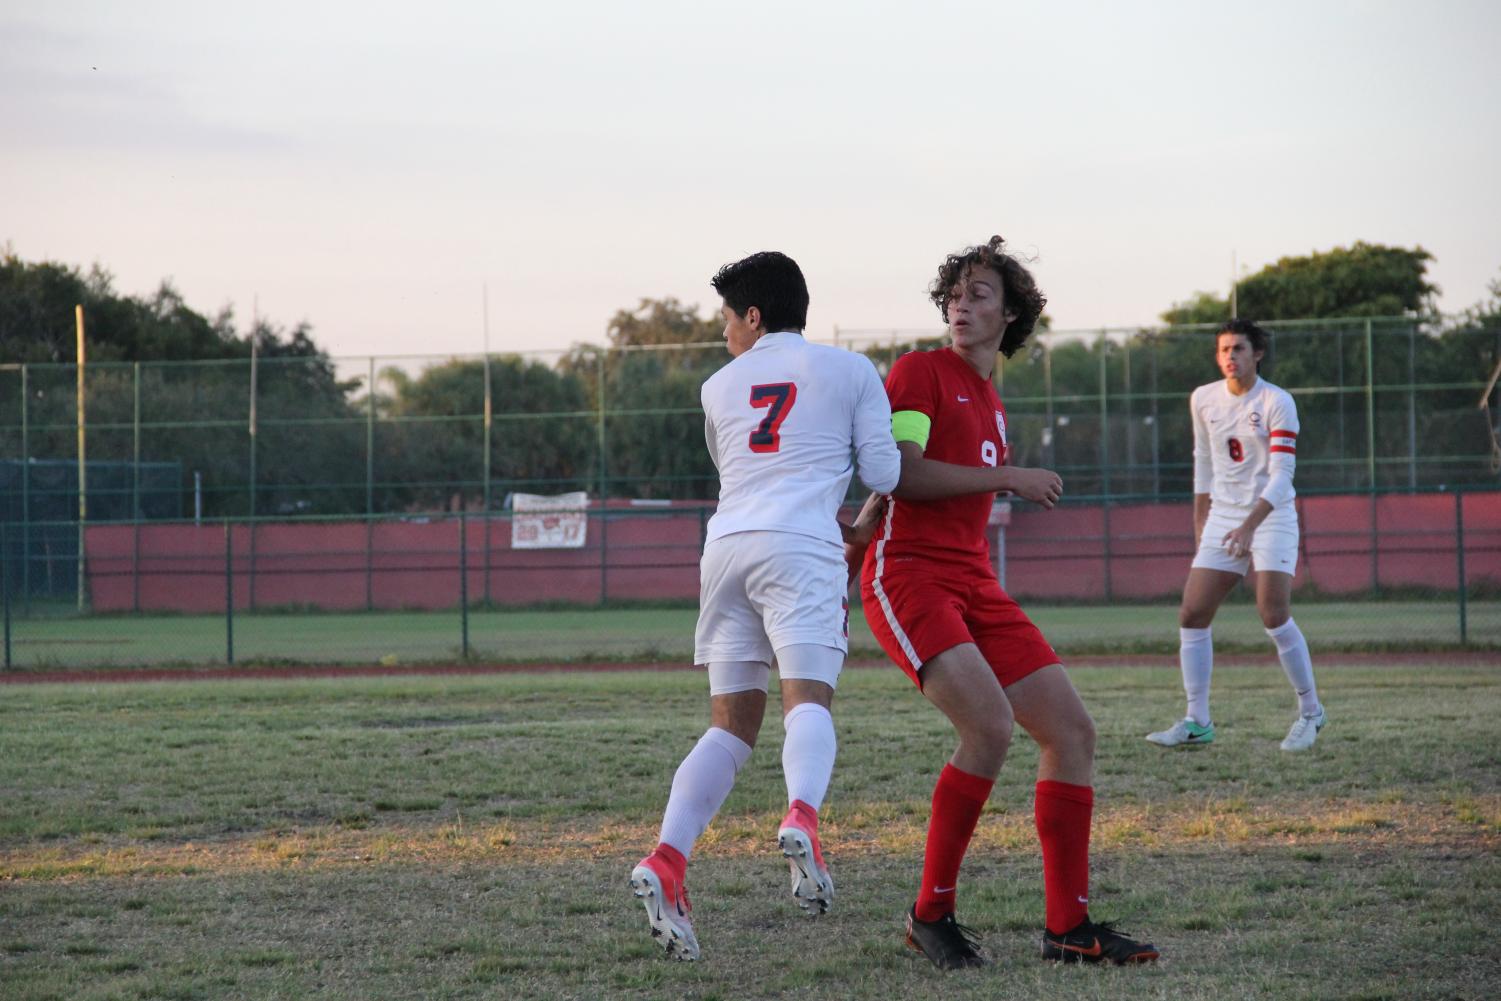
<point x="1092" y="942"/>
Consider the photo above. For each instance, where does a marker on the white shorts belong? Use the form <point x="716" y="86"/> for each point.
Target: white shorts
<point x="1274" y="545"/>
<point x="762" y="591"/>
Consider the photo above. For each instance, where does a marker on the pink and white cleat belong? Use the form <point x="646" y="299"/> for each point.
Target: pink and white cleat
<point x="812" y="885"/>
<point x="657" y="881"/>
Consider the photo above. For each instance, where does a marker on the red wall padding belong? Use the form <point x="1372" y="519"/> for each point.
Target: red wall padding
<point x="1350" y="543"/>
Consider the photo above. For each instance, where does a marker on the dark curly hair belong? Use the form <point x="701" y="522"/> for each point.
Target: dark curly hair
<point x="1020" y="293"/>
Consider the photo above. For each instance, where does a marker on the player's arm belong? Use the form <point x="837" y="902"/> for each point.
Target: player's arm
<point x="1237" y="541"/>
<point x="858" y="535"/>
<point x="913" y="388"/>
<point x="1203" y="468"/>
<point x="928" y="479"/>
<point x="1282" y="451"/>
<point x="876" y="457"/>
<point x="712" y="440"/>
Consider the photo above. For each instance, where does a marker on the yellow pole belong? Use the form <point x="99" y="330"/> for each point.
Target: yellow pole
<point x="83" y="481"/>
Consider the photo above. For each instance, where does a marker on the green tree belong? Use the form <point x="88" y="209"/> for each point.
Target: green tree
<point x="1365" y="279"/>
<point x="432" y="437"/>
<point x="194" y="391"/>
<point x="647" y="383"/>
<point x="1201" y="307"/>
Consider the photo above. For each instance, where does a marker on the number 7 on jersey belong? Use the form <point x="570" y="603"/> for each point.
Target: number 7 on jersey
<point x="779" y="397"/>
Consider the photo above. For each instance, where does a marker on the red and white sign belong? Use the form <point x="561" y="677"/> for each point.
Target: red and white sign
<point x="541" y="522"/>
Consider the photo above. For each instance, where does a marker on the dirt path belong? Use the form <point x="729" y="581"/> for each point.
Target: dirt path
<point x="284" y="671"/>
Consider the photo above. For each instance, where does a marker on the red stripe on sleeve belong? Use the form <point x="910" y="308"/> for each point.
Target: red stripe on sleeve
<point x="1284" y="448"/>
<point x="1284" y="434"/>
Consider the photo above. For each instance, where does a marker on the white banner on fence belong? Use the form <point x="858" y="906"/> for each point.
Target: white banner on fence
<point x="558" y="522"/>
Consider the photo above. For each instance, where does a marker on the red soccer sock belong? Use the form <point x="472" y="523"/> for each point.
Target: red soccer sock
<point x="958" y="799"/>
<point x="1063" y="814"/>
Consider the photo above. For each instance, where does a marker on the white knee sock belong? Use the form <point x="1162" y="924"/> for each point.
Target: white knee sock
<point x="700" y="786"/>
<point x="1196" y="658"/>
<point x="1292" y="650"/>
<point x="808" y="753"/>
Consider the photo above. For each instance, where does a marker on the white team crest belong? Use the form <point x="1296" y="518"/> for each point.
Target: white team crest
<point x="1000" y="425"/>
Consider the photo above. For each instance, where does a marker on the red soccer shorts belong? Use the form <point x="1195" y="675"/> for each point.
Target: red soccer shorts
<point x="918" y="612"/>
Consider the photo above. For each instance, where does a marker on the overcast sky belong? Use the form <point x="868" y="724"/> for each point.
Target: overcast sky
<point x="370" y="167"/>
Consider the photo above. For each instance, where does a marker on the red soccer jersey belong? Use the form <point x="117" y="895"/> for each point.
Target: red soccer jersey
<point x="968" y="429"/>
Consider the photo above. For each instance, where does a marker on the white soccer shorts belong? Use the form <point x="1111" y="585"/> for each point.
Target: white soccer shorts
<point x="1274" y="546"/>
<point x="762" y="591"/>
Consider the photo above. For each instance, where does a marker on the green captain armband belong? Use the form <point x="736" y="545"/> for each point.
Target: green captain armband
<point x="911" y="425"/>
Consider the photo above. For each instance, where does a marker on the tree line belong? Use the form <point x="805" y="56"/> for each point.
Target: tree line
<point x="1110" y="413"/>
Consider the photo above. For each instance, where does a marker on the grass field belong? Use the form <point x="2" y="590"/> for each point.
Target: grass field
<point x="642" y="634"/>
<point x="470" y="837"/>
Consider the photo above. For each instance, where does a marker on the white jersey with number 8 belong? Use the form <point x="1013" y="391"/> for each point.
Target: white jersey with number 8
<point x="784" y="423"/>
<point x="1245" y="447"/>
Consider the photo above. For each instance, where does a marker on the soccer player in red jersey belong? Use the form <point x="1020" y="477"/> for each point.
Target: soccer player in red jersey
<point x="934" y="603"/>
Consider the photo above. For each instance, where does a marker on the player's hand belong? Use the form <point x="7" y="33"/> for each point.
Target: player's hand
<point x="1237" y="541"/>
<point x="868" y="521"/>
<point x="1040" y="486"/>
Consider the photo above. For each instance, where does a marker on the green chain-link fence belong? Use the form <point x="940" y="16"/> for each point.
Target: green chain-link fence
<point x="348" y="448"/>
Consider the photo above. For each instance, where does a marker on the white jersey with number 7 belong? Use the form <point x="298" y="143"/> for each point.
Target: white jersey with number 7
<point x="785" y="422"/>
<point x="1245" y="447"/>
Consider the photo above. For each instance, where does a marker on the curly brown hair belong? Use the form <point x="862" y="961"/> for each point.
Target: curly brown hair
<point x="1020" y="292"/>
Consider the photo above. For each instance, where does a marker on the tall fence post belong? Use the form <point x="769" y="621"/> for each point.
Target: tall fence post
<point x="369" y="562"/>
<point x="1104" y="415"/>
<point x="26" y="488"/>
<point x="5" y="587"/>
<point x="1412" y="405"/>
<point x="254" y="422"/>
<point x="1051" y="456"/>
<point x="135" y="495"/>
<point x="599" y="421"/>
<point x="370" y="487"/>
<point x="1459" y="549"/>
<point x="604" y="552"/>
<point x="489" y="443"/>
<point x="1370" y="406"/>
<point x="1105" y="513"/>
<point x="229" y="594"/>
<point x="464" y="580"/>
<point x="83" y="464"/>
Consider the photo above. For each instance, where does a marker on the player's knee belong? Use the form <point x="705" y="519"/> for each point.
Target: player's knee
<point x="1274" y="615"/>
<point x="1084" y="737"/>
<point x="1194" y="618"/>
<point x="993" y="731"/>
<point x="1071" y="737"/>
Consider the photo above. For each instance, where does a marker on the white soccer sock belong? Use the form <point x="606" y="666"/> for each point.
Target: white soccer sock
<point x="700" y="786"/>
<point x="808" y="753"/>
<point x="1196" y="658"/>
<point x="1292" y="650"/>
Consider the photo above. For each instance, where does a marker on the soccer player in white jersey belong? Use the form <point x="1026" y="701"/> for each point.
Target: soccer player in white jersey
<point x="1245" y="447"/>
<point x="783" y="420"/>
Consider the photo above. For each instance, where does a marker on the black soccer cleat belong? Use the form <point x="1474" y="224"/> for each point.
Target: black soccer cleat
<point x="1093" y="942"/>
<point x="947" y="943"/>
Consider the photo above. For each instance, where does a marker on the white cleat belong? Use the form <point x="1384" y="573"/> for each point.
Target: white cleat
<point x="812" y="886"/>
<point x="1304" y="731"/>
<point x="667" y="910"/>
<point x="1185" y="731"/>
